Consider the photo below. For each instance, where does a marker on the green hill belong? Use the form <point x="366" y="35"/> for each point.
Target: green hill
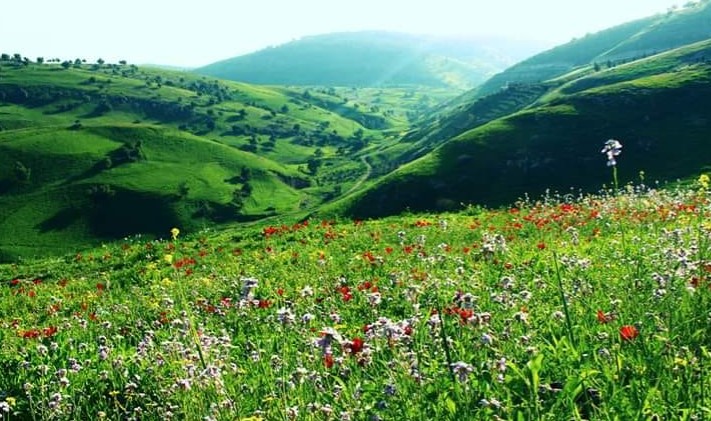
<point x="375" y="59"/>
<point x="658" y="107"/>
<point x="92" y="152"/>
<point x="523" y="84"/>
<point x="632" y="40"/>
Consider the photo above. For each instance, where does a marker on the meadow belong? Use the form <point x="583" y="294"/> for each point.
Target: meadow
<point x="586" y="307"/>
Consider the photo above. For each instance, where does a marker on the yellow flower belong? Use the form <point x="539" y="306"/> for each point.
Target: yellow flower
<point x="10" y="401"/>
<point x="168" y="258"/>
<point x="704" y="181"/>
<point x="174" y="233"/>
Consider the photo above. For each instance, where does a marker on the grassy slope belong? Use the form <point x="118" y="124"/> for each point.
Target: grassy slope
<point x="622" y="43"/>
<point x="186" y="127"/>
<point x="658" y="117"/>
<point x="578" y="309"/>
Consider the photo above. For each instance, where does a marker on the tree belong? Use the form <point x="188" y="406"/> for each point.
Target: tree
<point x="100" y="62"/>
<point x="313" y="165"/>
<point x="40" y="60"/>
<point x="22" y="173"/>
<point x="66" y="64"/>
<point x="246" y="174"/>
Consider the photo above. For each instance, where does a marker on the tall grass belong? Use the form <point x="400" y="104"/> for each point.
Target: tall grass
<point x="539" y="311"/>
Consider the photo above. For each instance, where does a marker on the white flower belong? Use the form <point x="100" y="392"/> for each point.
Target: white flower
<point x="462" y="370"/>
<point x="612" y="149"/>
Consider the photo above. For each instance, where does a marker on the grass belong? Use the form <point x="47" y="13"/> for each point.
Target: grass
<point x="658" y="115"/>
<point x="591" y="307"/>
<point x="68" y="125"/>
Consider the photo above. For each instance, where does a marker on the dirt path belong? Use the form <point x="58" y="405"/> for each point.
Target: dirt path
<point x="361" y="180"/>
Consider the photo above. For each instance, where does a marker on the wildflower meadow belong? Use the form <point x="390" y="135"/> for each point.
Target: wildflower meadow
<point x="585" y="307"/>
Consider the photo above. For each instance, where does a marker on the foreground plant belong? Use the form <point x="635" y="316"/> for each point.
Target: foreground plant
<point x="595" y="308"/>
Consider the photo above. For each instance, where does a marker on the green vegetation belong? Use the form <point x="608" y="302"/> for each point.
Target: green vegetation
<point x="548" y="285"/>
<point x="657" y="106"/>
<point x="86" y="148"/>
<point x="611" y="47"/>
<point x="374" y="59"/>
<point x="586" y="308"/>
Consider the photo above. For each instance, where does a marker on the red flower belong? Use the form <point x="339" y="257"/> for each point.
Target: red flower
<point x="628" y="332"/>
<point x="49" y="331"/>
<point x="603" y="317"/>
<point x="264" y="304"/>
<point x="356" y="345"/>
<point x="541" y="245"/>
<point x="30" y="334"/>
<point x="328" y="360"/>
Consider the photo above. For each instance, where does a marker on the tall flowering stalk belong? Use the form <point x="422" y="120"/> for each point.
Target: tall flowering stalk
<point x="612" y="148"/>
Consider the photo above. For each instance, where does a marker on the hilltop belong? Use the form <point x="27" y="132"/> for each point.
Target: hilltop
<point x="375" y="59"/>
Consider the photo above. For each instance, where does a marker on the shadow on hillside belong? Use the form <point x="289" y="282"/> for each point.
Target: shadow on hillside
<point x="128" y="213"/>
<point x="61" y="220"/>
<point x="5" y="186"/>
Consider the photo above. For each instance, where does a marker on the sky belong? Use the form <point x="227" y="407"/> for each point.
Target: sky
<point x="192" y="33"/>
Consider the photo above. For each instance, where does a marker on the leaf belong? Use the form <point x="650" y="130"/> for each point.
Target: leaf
<point x="451" y="406"/>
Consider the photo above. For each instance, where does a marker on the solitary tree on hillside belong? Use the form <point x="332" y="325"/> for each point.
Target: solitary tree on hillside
<point x="22" y="173"/>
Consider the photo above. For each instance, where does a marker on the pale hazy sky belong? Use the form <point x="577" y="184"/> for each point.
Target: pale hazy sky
<point x="195" y="33"/>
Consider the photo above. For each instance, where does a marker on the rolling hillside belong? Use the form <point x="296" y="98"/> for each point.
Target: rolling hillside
<point x="657" y="107"/>
<point x="523" y="84"/>
<point x="375" y="59"/>
<point x="611" y="47"/>
<point x="93" y="152"/>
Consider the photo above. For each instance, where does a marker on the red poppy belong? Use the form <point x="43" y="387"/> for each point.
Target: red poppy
<point x="30" y="334"/>
<point x="356" y="345"/>
<point x="628" y="332"/>
<point x="541" y="245"/>
<point x="328" y="360"/>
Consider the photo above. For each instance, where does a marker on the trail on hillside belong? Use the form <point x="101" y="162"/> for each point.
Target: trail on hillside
<point x="361" y="180"/>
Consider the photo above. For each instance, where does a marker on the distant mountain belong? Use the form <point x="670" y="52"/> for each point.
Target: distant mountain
<point x="658" y="107"/>
<point x="376" y="59"/>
